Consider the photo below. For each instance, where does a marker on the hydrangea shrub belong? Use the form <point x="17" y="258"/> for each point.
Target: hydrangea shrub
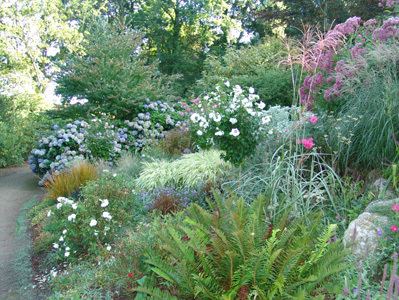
<point x="99" y="139"/>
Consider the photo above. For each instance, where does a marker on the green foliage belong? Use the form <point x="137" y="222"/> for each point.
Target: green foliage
<point x="89" y="224"/>
<point x="115" y="271"/>
<point x="177" y="141"/>
<point x="129" y="164"/>
<point x="293" y="14"/>
<point x="190" y="170"/>
<point x="17" y="135"/>
<point x="303" y="181"/>
<point x="27" y="62"/>
<point x="234" y="250"/>
<point x="251" y="66"/>
<point x="229" y="119"/>
<point x="112" y="74"/>
<point x="364" y="128"/>
<point x="180" y="33"/>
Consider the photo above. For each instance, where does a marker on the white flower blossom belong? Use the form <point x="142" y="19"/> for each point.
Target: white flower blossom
<point x="266" y="119"/>
<point x="261" y="105"/>
<point x="67" y="254"/>
<point x="64" y="231"/>
<point x="251" y="90"/>
<point x="227" y="83"/>
<point x="55" y="246"/>
<point x="199" y="132"/>
<point x="235" y="132"/>
<point x="104" y="202"/>
<point x="93" y="223"/>
<point x="217" y="117"/>
<point x="59" y="205"/>
<point x="219" y="133"/>
<point x="49" y="213"/>
<point x="203" y="123"/>
<point x="109" y="248"/>
<point x="270" y="131"/>
<point x="72" y="217"/>
<point x="195" y="117"/>
<point x="233" y="120"/>
<point x="106" y="215"/>
<point x="61" y="239"/>
<point x="74" y="206"/>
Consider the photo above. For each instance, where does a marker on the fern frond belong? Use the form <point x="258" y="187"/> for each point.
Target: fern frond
<point x="155" y="293"/>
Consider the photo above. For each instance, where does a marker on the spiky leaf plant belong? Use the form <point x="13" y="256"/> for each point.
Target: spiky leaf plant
<point x="235" y="253"/>
<point x="69" y="181"/>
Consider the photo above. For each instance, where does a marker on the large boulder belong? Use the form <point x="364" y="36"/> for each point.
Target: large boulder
<point x="362" y="234"/>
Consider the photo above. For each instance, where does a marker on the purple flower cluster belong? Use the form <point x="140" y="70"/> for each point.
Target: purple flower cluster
<point x="388" y="3"/>
<point x="182" y="197"/>
<point x="329" y="74"/>
<point x="387" y="30"/>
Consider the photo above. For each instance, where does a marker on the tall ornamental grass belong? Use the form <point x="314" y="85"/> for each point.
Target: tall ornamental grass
<point x="302" y="181"/>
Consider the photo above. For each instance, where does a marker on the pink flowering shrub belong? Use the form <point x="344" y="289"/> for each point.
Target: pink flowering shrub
<point x="388" y="3"/>
<point x="337" y="58"/>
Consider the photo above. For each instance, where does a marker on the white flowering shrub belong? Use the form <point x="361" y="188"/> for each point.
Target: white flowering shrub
<point x="231" y="119"/>
<point x="78" y="229"/>
<point x="89" y="226"/>
<point x="99" y="139"/>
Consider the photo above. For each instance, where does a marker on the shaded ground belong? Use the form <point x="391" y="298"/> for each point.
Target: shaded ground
<point x="17" y="187"/>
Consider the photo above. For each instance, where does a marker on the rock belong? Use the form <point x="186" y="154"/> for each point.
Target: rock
<point x="363" y="232"/>
<point x="382" y="207"/>
<point x="384" y="192"/>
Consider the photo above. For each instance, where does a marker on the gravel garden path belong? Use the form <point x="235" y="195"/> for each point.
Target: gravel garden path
<point x="17" y="187"/>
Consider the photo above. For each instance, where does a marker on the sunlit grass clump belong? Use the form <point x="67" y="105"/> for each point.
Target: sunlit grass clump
<point x="188" y="171"/>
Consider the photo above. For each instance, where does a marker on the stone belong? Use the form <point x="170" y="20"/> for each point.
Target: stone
<point x="382" y="207"/>
<point x="384" y="191"/>
<point x="362" y="234"/>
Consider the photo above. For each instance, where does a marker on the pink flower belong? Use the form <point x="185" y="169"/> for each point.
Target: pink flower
<point x="308" y="143"/>
<point x="188" y="108"/>
<point x="337" y="217"/>
<point x="313" y="119"/>
<point x="394" y="228"/>
<point x="214" y="106"/>
<point x="182" y="114"/>
<point x="395" y="207"/>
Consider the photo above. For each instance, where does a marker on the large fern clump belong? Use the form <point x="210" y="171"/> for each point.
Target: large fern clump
<point x="234" y="252"/>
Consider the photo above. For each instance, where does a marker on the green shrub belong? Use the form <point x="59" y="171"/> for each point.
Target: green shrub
<point x="234" y="251"/>
<point x="250" y="66"/>
<point x="17" y="135"/>
<point x="177" y="141"/>
<point x="129" y="164"/>
<point x="111" y="76"/>
<point x="229" y="118"/>
<point x="362" y="131"/>
<point x="117" y="271"/>
<point x="89" y="225"/>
